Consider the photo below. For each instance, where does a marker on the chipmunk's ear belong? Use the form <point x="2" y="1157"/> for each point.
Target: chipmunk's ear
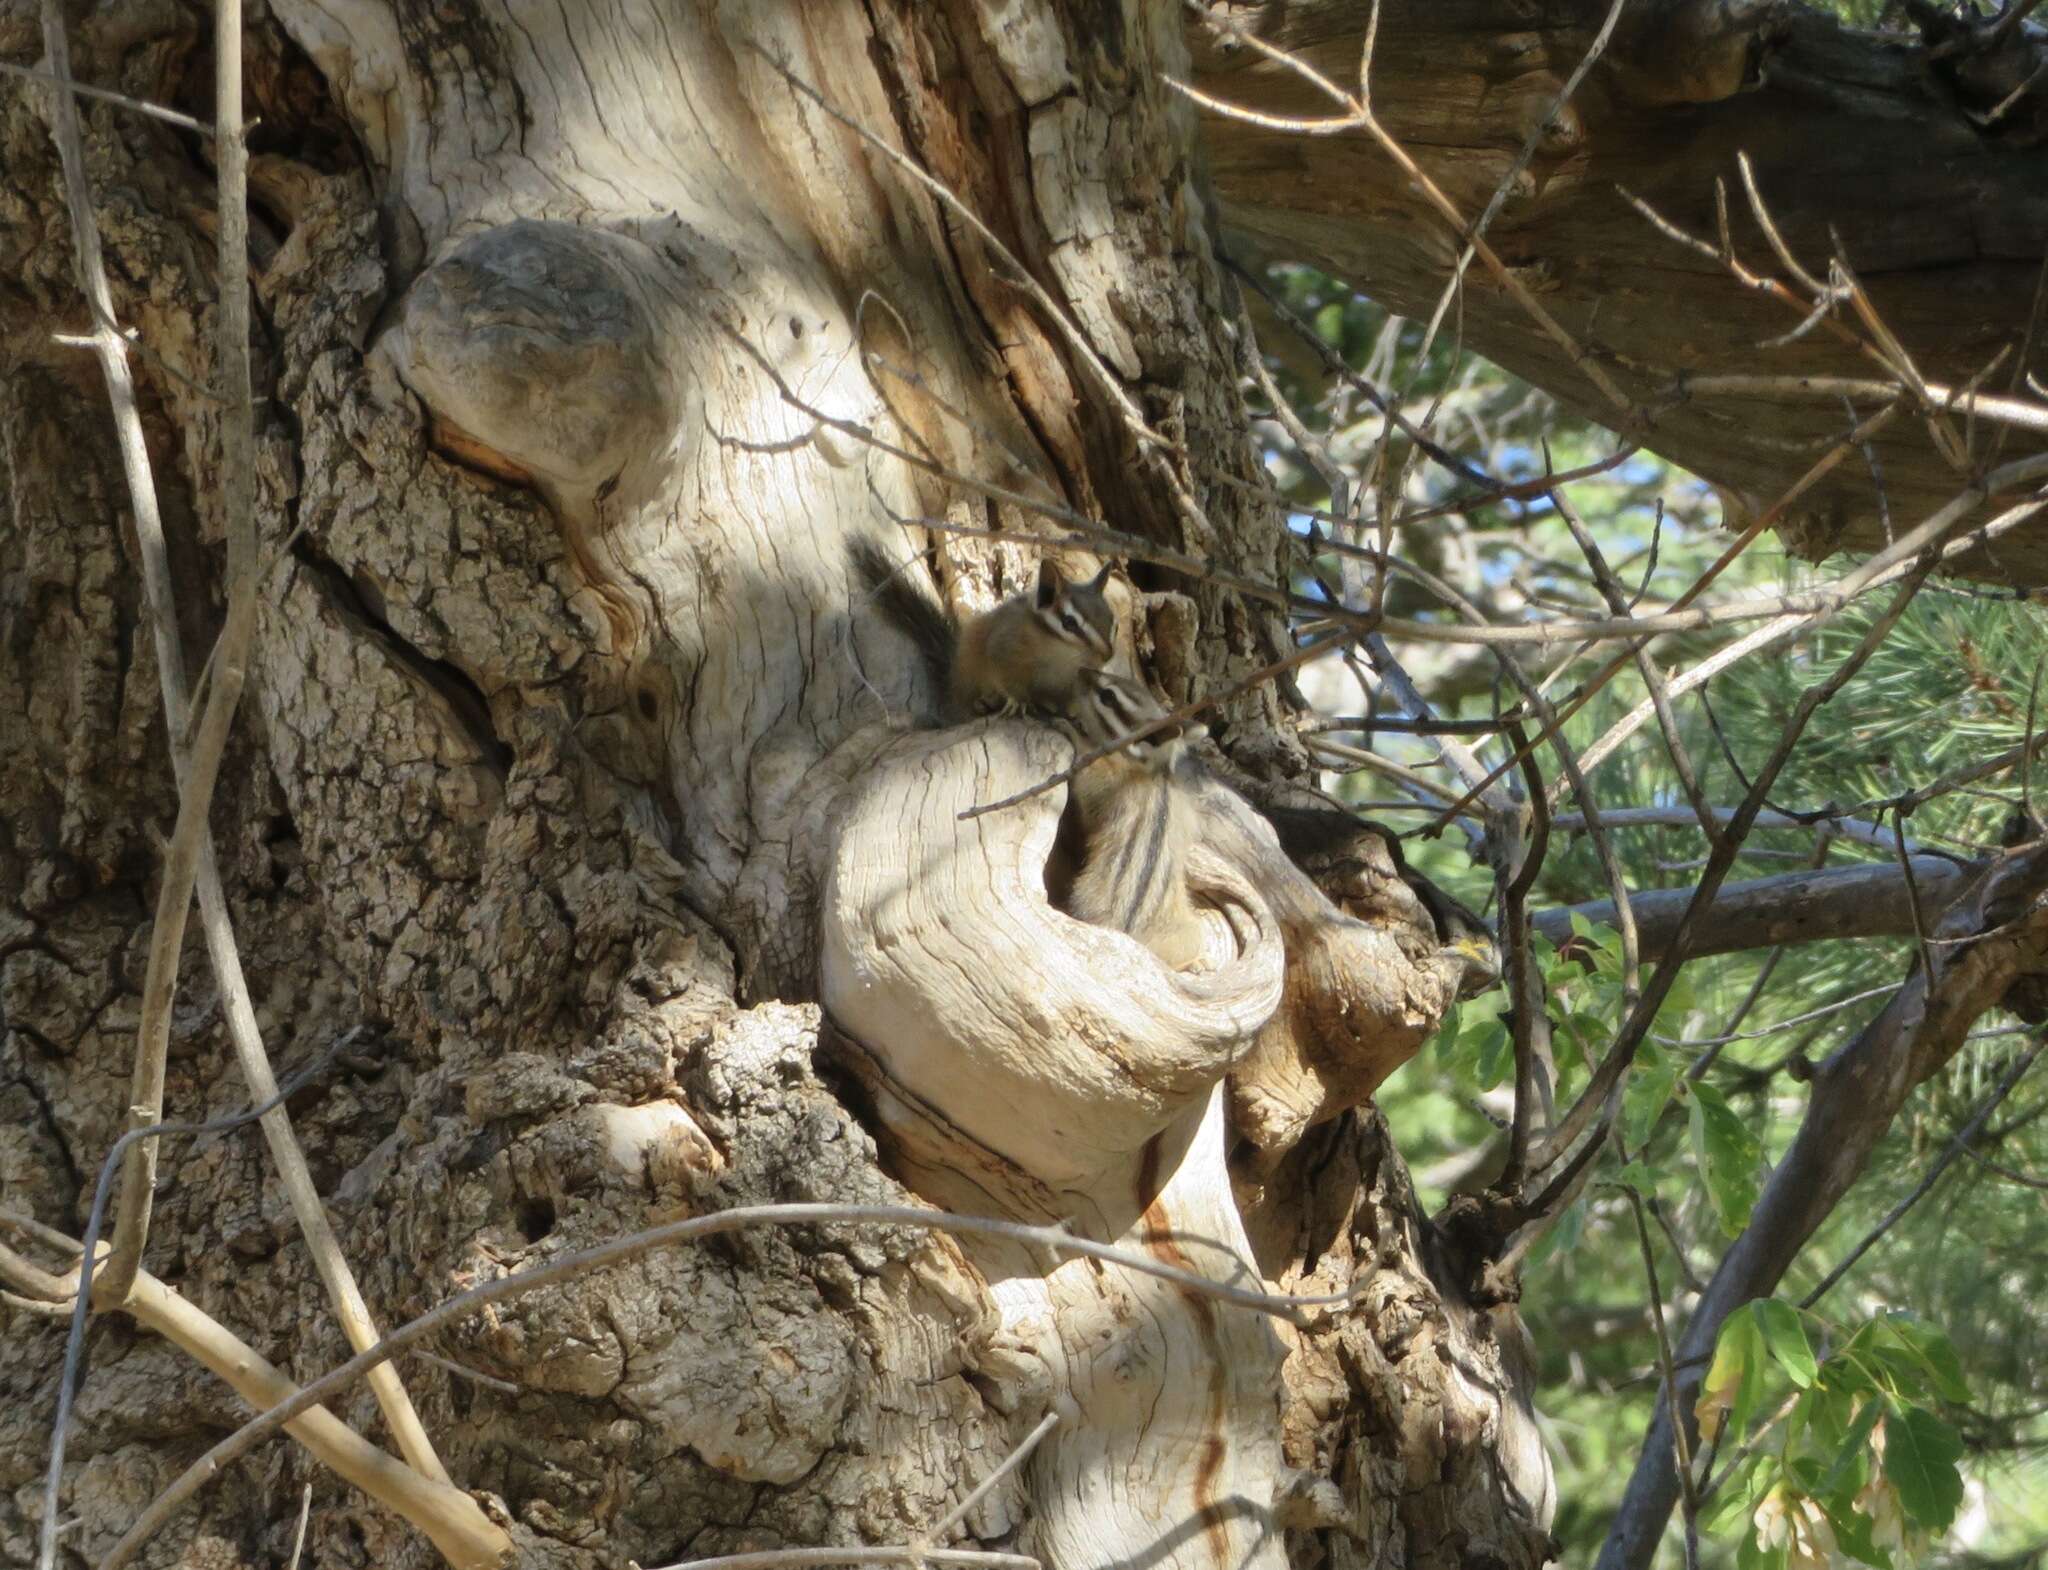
<point x="1050" y="582"/>
<point x="1100" y="579"/>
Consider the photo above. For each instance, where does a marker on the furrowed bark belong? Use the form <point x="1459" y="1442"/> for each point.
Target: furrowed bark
<point x="564" y="674"/>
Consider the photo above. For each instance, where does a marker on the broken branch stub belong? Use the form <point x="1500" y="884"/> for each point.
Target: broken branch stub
<point x="1063" y="1047"/>
<point x="1367" y="980"/>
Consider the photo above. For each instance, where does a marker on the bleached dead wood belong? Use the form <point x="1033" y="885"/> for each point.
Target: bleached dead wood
<point x="1041" y="1066"/>
<point x="1030" y="1062"/>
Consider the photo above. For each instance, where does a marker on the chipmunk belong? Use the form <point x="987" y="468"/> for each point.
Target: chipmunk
<point x="1137" y="814"/>
<point x="1027" y="653"/>
<point x="1031" y="650"/>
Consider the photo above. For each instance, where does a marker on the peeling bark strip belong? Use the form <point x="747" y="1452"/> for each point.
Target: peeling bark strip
<point x="566" y="697"/>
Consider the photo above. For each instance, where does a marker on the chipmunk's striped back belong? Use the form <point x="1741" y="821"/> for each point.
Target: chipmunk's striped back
<point x="1136" y="818"/>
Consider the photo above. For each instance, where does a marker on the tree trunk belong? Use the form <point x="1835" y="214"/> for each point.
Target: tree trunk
<point x="592" y="340"/>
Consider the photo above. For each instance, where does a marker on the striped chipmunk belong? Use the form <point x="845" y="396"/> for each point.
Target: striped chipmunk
<point x="1137" y="816"/>
<point x="1029" y="652"/>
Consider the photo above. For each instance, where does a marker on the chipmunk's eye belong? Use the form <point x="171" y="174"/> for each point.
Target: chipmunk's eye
<point x="1067" y="621"/>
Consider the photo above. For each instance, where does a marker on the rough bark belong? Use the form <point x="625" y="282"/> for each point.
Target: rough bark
<point x="1943" y="217"/>
<point x="563" y="688"/>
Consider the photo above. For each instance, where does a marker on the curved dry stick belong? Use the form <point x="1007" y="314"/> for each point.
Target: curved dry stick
<point x="455" y="1524"/>
<point x="507" y="1288"/>
<point x="238" y="485"/>
<point x="215" y="922"/>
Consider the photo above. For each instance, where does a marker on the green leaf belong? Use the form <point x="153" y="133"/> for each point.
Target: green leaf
<point x="1447" y="1034"/>
<point x="1932" y="1354"/>
<point x="1734" y="1382"/>
<point x="1564" y="1235"/>
<point x="1589" y="1027"/>
<point x="1848" y="1471"/>
<point x="1853" y="1533"/>
<point x="1727" y="1151"/>
<point x="1734" y="1501"/>
<point x="1785" y="1335"/>
<point x="1677" y="1004"/>
<point x="1920" y="1455"/>
<point x="1647" y="1093"/>
<point x="1638" y="1177"/>
<point x="1494" y="1054"/>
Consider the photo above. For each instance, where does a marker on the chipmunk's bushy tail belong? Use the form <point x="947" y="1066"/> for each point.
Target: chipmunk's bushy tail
<point x="898" y="589"/>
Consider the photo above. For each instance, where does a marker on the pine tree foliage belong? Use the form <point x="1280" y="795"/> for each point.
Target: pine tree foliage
<point x="1895" y="1448"/>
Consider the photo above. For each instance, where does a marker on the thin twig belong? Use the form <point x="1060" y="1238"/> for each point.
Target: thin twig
<point x="1380" y="764"/>
<point x="89" y="1260"/>
<point x="1856" y="831"/>
<point x="1360" y="117"/>
<point x="904" y="1554"/>
<point x="238" y="480"/>
<point x="1882" y="568"/>
<point x="1699" y="585"/>
<point x="1913" y="904"/>
<point x="1680" y="1440"/>
<point x="1784" y="1025"/>
<point x="1596" y="1102"/>
<point x="1165" y="722"/>
<point x="183" y="122"/>
<point x="2027" y="746"/>
<point x="299" y="1534"/>
<point x="1502" y="186"/>
<point x="1334" y="365"/>
<point x="1660" y="697"/>
<point x="1529" y="1016"/>
<point x="2004" y="411"/>
<point x="1407" y="725"/>
<point x="620" y="1250"/>
<point x="238" y="471"/>
<point x="987" y="1486"/>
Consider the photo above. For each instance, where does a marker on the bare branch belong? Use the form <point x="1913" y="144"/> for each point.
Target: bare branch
<point x="1596" y="1100"/>
<point x="1680" y="1438"/>
<point x="195" y="850"/>
<point x="1866" y="901"/>
<point x="63" y="82"/>
<point x="1856" y="1096"/>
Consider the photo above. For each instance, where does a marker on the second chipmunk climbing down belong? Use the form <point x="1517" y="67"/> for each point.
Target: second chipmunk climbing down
<point x="1137" y="818"/>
